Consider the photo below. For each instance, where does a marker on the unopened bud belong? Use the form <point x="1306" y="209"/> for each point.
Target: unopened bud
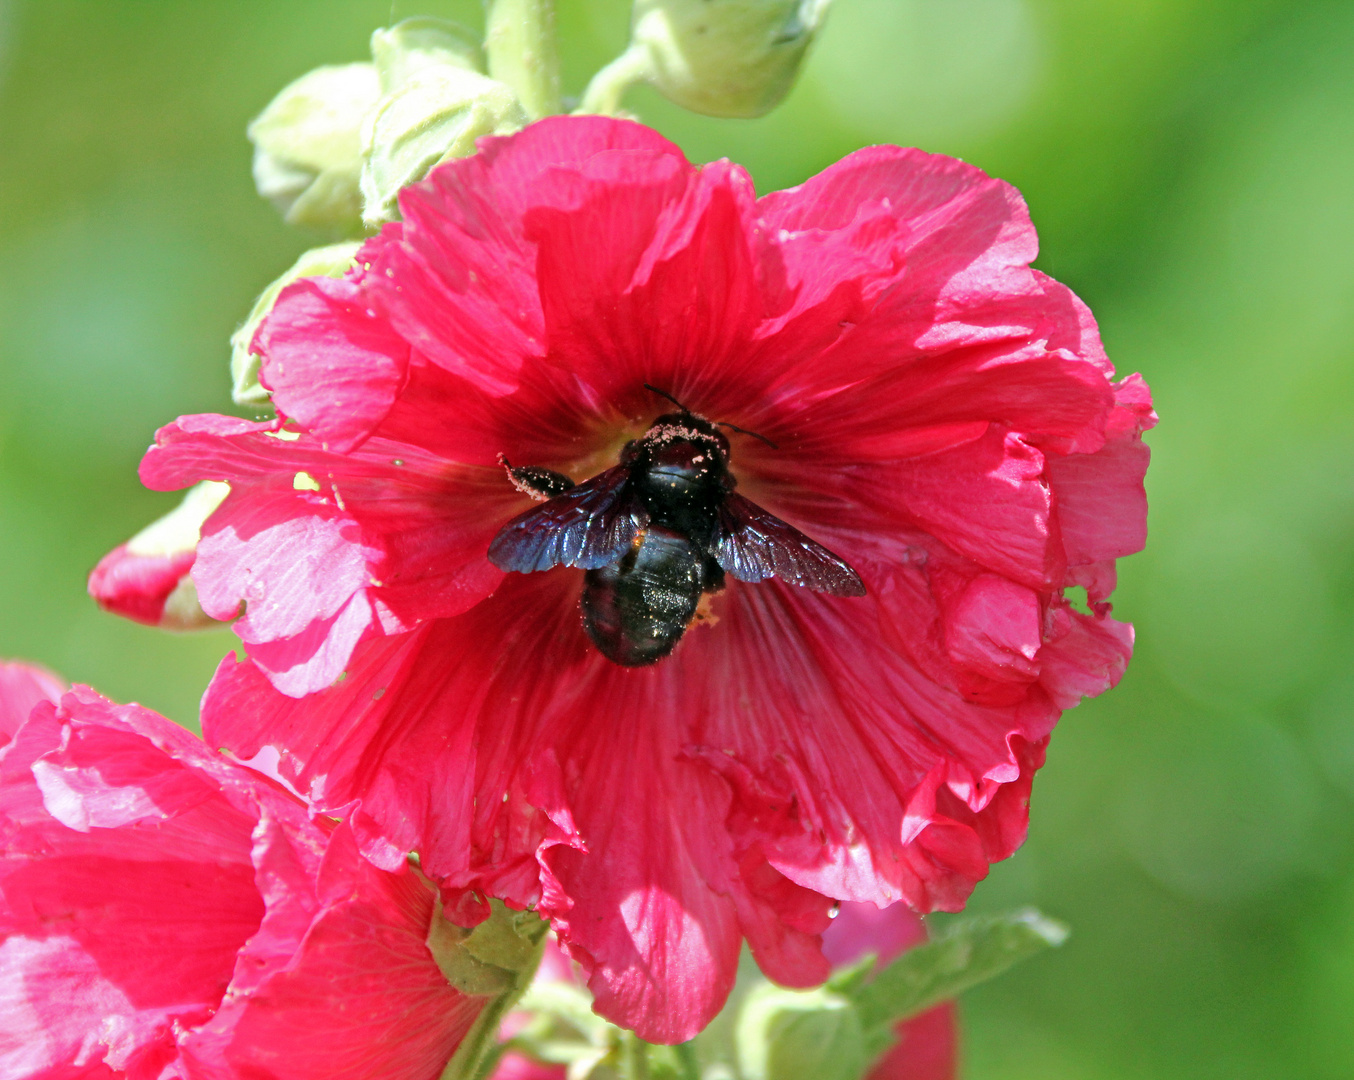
<point x="799" y="1035"/>
<point x="332" y="261"/>
<point x="146" y="579"/>
<point x="725" y="57"/>
<point x="434" y="116"/>
<point x="408" y="47"/>
<point x="308" y="147"/>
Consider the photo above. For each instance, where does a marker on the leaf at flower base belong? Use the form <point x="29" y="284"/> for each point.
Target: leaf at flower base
<point x="964" y="955"/>
<point x="799" y="1035"/>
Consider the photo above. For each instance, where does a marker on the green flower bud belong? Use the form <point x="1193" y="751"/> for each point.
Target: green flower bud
<point x="725" y="57"/>
<point x="332" y="261"/>
<point x="308" y="147"/>
<point x="799" y="1035"/>
<point x="435" y="115"/>
<point x="414" y="44"/>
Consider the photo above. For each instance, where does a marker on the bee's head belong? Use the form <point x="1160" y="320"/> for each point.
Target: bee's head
<point x="672" y="429"/>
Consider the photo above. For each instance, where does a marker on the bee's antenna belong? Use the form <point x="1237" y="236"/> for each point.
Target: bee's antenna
<point x="745" y="431"/>
<point x="664" y="393"/>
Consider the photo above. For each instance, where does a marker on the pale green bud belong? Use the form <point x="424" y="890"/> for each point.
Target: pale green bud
<point x="799" y="1035"/>
<point x="414" y="44"/>
<point x="332" y="261"/>
<point x="725" y="57"/>
<point x="308" y="147"/>
<point x="434" y="116"/>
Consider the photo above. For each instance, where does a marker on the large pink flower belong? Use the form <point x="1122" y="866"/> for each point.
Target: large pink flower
<point x="166" y="913"/>
<point x="944" y="420"/>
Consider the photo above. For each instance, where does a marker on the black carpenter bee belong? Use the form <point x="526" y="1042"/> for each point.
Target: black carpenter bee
<point x="655" y="533"/>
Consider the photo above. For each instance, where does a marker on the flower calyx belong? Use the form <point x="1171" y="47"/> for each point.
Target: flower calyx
<point x="496" y="959"/>
<point x="437" y="114"/>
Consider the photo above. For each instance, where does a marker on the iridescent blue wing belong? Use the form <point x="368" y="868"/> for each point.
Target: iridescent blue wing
<point x="590" y="525"/>
<point x="753" y="545"/>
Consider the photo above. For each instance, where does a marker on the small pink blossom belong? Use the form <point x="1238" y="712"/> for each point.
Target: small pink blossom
<point x="944" y="418"/>
<point x="167" y="913"/>
<point x="147" y="579"/>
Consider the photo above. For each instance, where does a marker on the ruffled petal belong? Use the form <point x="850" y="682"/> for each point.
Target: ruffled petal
<point x="460" y="284"/>
<point x="331" y="364"/>
<point x="1087" y="655"/>
<point x="178" y="887"/>
<point x="1101" y="502"/>
<point x="21" y="687"/>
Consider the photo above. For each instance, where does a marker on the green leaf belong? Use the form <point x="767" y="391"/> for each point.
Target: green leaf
<point x="967" y="953"/>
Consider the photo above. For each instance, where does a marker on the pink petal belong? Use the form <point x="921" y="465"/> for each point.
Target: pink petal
<point x="606" y="742"/>
<point x="290" y="564"/>
<point x="1101" y="502"/>
<point x="362" y="997"/>
<point x="993" y="635"/>
<point x="332" y="365"/>
<point x="21" y="687"/>
<point x="858" y="929"/>
<point x="927" y="1048"/>
<point x="515" y="1066"/>
<point x="178" y="888"/>
<point x="466" y="294"/>
<point x="1088" y="656"/>
<point x="137" y="586"/>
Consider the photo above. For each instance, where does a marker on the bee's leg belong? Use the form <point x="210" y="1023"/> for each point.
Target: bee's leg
<point x="540" y="484"/>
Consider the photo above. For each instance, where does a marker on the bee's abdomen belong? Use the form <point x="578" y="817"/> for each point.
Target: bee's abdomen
<point x="636" y="610"/>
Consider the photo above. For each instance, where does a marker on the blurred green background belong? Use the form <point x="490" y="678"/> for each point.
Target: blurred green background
<point x="1190" y="165"/>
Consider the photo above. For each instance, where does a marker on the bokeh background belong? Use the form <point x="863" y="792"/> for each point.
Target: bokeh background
<point x="1190" y="165"/>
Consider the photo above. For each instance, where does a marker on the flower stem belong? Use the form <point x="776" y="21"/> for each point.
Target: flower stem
<point x="608" y="86"/>
<point x="634" y="1057"/>
<point x="686" y="1060"/>
<point x="519" y="41"/>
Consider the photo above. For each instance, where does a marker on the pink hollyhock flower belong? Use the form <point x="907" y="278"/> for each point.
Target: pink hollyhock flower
<point x="166" y="913"/>
<point x="944" y="421"/>
<point x="927" y="1047"/>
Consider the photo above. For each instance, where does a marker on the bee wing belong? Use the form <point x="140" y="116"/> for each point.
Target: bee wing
<point x="590" y="525"/>
<point x="752" y="545"/>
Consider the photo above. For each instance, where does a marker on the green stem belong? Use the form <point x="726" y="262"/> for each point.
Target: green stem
<point x="519" y="42"/>
<point x="687" y="1060"/>
<point x="608" y="86"/>
<point x="634" y="1057"/>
